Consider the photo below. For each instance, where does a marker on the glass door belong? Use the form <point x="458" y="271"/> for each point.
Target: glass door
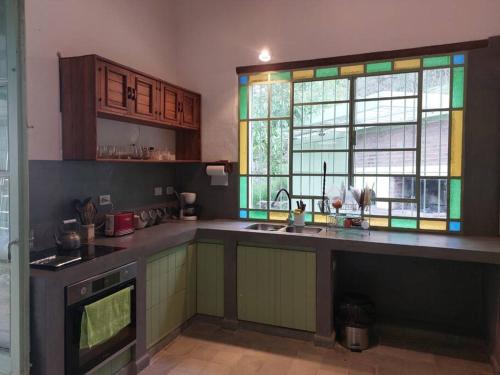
<point x="14" y="269"/>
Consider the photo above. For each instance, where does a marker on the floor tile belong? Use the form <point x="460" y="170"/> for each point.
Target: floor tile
<point x="207" y="349"/>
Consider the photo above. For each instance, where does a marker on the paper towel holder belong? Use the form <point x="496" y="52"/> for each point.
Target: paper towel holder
<point x="225" y="163"/>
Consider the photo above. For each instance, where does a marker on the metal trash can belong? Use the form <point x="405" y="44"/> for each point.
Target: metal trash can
<point x="355" y="318"/>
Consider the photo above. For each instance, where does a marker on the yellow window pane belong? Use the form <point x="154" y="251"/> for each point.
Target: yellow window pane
<point x="303" y="74"/>
<point x="275" y="215"/>
<point x="407" y="64"/>
<point x="352" y="69"/>
<point x="432" y="225"/>
<point x="243" y="147"/>
<point x="456" y="143"/>
<point x="378" y="221"/>
<point x="320" y="218"/>
<point x="259" y="77"/>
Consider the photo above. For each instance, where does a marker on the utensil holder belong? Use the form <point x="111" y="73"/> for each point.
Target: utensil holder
<point x="87" y="232"/>
<point x="300" y="219"/>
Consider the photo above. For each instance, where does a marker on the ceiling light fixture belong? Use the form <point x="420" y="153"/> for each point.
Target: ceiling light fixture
<point x="264" y="55"/>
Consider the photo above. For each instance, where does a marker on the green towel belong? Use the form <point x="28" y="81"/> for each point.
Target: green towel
<point x="103" y="319"/>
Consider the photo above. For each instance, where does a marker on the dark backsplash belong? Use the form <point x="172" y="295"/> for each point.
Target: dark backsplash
<point x="54" y="185"/>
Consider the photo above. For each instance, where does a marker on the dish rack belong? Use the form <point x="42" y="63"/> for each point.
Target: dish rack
<point x="349" y="217"/>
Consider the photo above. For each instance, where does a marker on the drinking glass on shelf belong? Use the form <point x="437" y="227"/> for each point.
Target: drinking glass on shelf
<point x="100" y="152"/>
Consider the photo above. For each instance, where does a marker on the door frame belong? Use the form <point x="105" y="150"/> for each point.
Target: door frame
<point x="17" y="360"/>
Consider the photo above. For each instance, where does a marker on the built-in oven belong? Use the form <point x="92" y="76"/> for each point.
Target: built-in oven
<point x="83" y="299"/>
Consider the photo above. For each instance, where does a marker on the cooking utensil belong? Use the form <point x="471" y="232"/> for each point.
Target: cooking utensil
<point x="323" y="195"/>
<point x="159" y="216"/>
<point x="142" y="219"/>
<point x="86" y="210"/>
<point x="151" y="216"/>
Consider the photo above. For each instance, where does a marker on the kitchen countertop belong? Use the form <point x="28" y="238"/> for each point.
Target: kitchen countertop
<point x="146" y="242"/>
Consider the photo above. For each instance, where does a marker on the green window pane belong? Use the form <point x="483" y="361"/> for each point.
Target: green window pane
<point x="275" y="184"/>
<point x="261" y="215"/>
<point x="259" y="100"/>
<point x="430" y="62"/>
<point x="458" y="87"/>
<point x="385" y="66"/>
<point x="280" y="99"/>
<point x="257" y="193"/>
<point x="327" y="72"/>
<point x="243" y="102"/>
<point x="404" y="223"/>
<point x="280" y="76"/>
<point x="455" y="198"/>
<point x="243" y="192"/>
<point x="279" y="148"/>
<point x="257" y="147"/>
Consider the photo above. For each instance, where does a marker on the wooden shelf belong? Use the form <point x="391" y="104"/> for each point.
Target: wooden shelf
<point x="147" y="161"/>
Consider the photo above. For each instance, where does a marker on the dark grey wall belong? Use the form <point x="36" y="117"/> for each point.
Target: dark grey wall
<point x="482" y="141"/>
<point x="421" y="293"/>
<point x="54" y="184"/>
<point x="217" y="202"/>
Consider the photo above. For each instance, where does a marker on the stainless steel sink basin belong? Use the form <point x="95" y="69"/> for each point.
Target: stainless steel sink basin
<point x="305" y="230"/>
<point x="266" y="227"/>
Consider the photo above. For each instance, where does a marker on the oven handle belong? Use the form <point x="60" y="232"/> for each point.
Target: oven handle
<point x="82" y="307"/>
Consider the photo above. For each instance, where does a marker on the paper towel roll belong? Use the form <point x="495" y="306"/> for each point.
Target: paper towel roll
<point x="216" y="170"/>
<point x="218" y="175"/>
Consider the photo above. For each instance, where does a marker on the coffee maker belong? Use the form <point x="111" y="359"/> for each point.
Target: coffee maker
<point x="188" y="206"/>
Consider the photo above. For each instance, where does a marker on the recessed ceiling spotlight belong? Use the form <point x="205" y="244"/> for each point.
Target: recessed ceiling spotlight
<point x="264" y="55"/>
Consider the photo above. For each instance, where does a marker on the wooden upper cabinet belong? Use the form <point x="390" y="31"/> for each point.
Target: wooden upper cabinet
<point x="143" y="98"/>
<point x="190" y="110"/>
<point x="169" y="104"/>
<point x="94" y="87"/>
<point x="114" y="89"/>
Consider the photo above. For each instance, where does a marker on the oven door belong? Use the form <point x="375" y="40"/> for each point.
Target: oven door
<point x="82" y="360"/>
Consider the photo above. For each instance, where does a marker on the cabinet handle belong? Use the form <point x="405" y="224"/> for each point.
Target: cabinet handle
<point x="159" y="113"/>
<point x="133" y="94"/>
<point x="129" y="92"/>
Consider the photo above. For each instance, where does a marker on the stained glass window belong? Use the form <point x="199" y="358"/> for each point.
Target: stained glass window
<point x="393" y="125"/>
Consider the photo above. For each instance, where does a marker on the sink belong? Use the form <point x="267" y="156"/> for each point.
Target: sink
<point x="305" y="230"/>
<point x="266" y="227"/>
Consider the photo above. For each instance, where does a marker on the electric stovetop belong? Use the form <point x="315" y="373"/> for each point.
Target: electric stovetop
<point x="55" y="259"/>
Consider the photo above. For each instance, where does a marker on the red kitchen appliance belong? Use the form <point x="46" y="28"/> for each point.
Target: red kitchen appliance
<point x="119" y="224"/>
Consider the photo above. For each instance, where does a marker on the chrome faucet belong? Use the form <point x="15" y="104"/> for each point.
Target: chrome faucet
<point x="290" y="220"/>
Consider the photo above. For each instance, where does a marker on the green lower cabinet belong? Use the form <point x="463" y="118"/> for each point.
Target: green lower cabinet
<point x="170" y="291"/>
<point x="210" y="279"/>
<point x="277" y="287"/>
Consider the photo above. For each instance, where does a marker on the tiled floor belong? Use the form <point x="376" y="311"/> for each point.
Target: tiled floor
<point x="209" y="350"/>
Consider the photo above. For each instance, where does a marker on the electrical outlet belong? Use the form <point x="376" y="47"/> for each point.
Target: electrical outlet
<point x="158" y="191"/>
<point x="104" y="200"/>
<point x="170" y="190"/>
